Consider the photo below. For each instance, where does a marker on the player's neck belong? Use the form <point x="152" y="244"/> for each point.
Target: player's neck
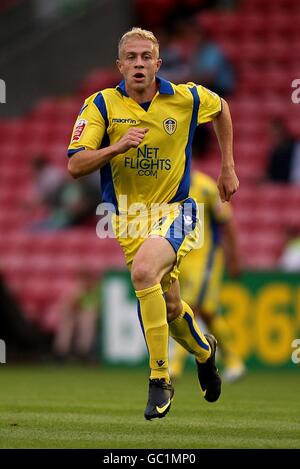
<point x="143" y="96"/>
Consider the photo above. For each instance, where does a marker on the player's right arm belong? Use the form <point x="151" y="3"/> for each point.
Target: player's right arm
<point x="87" y="161"/>
<point x="86" y="151"/>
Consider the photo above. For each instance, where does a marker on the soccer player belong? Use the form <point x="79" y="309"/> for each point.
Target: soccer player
<point x="139" y="134"/>
<point x="202" y="270"/>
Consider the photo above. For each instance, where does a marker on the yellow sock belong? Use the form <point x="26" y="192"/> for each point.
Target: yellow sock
<point x="220" y="329"/>
<point x="153" y="316"/>
<point x="186" y="332"/>
<point x="178" y="360"/>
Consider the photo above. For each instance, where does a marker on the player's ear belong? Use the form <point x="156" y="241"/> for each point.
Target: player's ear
<point x="158" y="64"/>
<point x="118" y="63"/>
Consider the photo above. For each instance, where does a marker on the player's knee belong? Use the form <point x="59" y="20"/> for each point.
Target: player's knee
<point x="174" y="308"/>
<point x="143" y="276"/>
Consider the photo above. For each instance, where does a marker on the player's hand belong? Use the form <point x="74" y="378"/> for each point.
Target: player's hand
<point x="132" y="139"/>
<point x="228" y="184"/>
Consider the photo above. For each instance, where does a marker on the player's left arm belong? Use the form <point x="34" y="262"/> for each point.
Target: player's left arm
<point x="215" y="109"/>
<point x="228" y="182"/>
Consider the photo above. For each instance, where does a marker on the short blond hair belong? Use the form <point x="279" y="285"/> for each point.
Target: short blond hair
<point x="140" y="33"/>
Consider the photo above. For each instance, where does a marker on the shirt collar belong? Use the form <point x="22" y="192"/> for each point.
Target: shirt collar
<point x="164" y="87"/>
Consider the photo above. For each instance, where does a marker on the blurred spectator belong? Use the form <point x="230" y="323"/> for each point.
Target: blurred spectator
<point x="48" y="179"/>
<point x="209" y="65"/>
<point x="78" y="314"/>
<point x="175" y="63"/>
<point x="157" y="14"/>
<point x="224" y="4"/>
<point x="67" y="203"/>
<point x="284" y="156"/>
<point x="189" y="55"/>
<point x="290" y="258"/>
<point x="23" y="338"/>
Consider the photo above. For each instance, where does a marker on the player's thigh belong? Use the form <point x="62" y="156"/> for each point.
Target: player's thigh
<point x="154" y="258"/>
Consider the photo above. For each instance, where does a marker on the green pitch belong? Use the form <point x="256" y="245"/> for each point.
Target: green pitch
<point x="90" y="407"/>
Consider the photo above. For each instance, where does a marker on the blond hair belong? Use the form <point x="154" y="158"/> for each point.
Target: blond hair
<point x="142" y="34"/>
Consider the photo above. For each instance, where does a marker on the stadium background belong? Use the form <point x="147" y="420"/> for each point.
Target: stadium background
<point x="53" y="55"/>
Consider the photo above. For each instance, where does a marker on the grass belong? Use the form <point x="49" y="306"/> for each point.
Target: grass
<point x="90" y="407"/>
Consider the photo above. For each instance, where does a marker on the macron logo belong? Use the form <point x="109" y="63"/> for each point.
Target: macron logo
<point x="124" y="121"/>
<point x="160" y="362"/>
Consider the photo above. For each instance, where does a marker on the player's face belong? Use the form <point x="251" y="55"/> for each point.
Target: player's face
<point x="138" y="63"/>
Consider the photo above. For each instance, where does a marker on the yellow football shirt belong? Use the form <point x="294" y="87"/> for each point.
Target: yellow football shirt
<point x="204" y="190"/>
<point x="158" y="171"/>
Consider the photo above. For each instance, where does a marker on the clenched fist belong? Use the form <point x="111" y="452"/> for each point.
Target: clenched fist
<point x="131" y="139"/>
<point x="228" y="184"/>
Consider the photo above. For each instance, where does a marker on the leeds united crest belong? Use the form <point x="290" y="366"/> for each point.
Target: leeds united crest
<point x="170" y="125"/>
